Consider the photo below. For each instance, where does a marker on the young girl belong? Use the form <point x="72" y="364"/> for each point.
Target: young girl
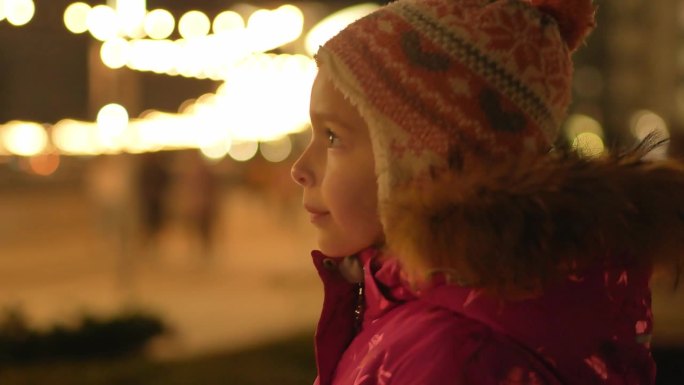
<point x="455" y="246"/>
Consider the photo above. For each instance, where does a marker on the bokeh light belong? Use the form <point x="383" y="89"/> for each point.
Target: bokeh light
<point x="588" y="144"/>
<point x="103" y="22"/>
<point x="645" y="122"/>
<point x="24" y="138"/>
<point x="2" y="10"/>
<point x="44" y="164"/>
<point x="115" y="52"/>
<point x="577" y="124"/>
<point x="216" y="150"/>
<point x="276" y="150"/>
<point x="290" y="19"/>
<point x="194" y="24"/>
<point x="265" y="99"/>
<point x="159" y="24"/>
<point x="19" y="12"/>
<point x="76" y="16"/>
<point x="243" y="151"/>
<point x="228" y="21"/>
<point x="268" y="29"/>
<point x="112" y="122"/>
<point x="74" y="137"/>
<point x="331" y="25"/>
<point x="586" y="135"/>
<point x="131" y="14"/>
<point x="152" y="55"/>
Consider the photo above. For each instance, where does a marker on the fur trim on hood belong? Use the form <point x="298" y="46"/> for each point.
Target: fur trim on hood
<point x="521" y="225"/>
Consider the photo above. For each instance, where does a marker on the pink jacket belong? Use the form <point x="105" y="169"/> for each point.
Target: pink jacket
<point x="592" y="329"/>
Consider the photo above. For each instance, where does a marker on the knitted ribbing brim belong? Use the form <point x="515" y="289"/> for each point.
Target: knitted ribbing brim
<point x="443" y="83"/>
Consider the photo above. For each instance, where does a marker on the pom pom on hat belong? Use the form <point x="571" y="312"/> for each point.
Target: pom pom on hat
<point x="575" y="18"/>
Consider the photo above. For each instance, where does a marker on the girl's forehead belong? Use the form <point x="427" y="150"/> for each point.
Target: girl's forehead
<point x="327" y="101"/>
<point x="328" y="104"/>
<point x="325" y="98"/>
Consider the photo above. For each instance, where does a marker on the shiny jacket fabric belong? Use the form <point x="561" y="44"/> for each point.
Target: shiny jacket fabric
<point x="590" y="329"/>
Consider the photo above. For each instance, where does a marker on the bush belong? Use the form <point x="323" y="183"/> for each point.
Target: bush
<point x="123" y="334"/>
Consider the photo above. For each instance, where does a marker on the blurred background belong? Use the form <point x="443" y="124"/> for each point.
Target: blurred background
<point x="149" y="229"/>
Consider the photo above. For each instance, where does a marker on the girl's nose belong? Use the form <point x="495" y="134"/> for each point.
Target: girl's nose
<point x="300" y="174"/>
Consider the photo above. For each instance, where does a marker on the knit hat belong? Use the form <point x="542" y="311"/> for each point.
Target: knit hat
<point x="445" y="83"/>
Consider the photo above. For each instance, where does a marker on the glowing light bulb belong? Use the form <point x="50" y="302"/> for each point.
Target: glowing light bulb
<point x="228" y="21"/>
<point x="645" y="122"/>
<point x="103" y="22"/>
<point x="576" y="124"/>
<point x="159" y="24"/>
<point x="19" y="12"/>
<point x="290" y="22"/>
<point x="194" y="24"/>
<point x="243" y="151"/>
<point x="115" y="52"/>
<point x="588" y="144"/>
<point x="277" y="150"/>
<point x="331" y="25"/>
<point x="112" y="122"/>
<point x="131" y="14"/>
<point x="76" y="16"/>
<point x="24" y="138"/>
<point x="74" y="137"/>
<point x="44" y="164"/>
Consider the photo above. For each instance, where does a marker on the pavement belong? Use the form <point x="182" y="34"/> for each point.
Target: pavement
<point x="57" y="263"/>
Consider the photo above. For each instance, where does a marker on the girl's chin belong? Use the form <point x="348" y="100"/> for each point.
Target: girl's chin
<point x="339" y="251"/>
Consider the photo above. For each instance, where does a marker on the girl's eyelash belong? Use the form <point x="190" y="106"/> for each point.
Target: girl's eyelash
<point x="332" y="137"/>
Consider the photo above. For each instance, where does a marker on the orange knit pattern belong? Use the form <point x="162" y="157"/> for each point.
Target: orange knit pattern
<point x="443" y="83"/>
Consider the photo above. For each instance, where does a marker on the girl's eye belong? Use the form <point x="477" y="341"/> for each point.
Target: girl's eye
<point x="332" y="137"/>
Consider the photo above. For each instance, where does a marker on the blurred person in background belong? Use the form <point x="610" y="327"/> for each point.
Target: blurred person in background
<point x="110" y="185"/>
<point x="456" y="246"/>
<point x="151" y="186"/>
<point x="194" y="200"/>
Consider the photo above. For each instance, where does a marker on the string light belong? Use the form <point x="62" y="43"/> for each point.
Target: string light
<point x="227" y="21"/>
<point x="19" y="12"/>
<point x="2" y="10"/>
<point x="112" y="123"/>
<point x="277" y="150"/>
<point x="194" y="24"/>
<point x="588" y="144"/>
<point x="24" y="138"/>
<point x="103" y="22"/>
<point x="331" y="25"/>
<point x="115" y="52"/>
<point x="231" y="121"/>
<point x="159" y="24"/>
<point x="586" y="135"/>
<point x="131" y="15"/>
<point x="75" y="17"/>
<point x="243" y="151"/>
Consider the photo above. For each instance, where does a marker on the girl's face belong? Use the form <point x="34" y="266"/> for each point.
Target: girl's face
<point x="337" y="173"/>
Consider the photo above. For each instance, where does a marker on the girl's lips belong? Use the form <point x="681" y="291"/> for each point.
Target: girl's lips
<point x="316" y="215"/>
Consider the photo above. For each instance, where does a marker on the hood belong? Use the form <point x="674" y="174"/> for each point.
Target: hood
<point x="517" y="227"/>
<point x="554" y="251"/>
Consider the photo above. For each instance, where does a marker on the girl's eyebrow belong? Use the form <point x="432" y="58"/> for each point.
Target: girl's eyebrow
<point x="329" y="117"/>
